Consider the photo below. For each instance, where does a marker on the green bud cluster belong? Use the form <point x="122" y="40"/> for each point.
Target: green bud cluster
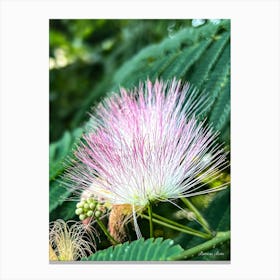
<point x="89" y="207"/>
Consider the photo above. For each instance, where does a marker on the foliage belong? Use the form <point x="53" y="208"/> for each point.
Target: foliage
<point x="58" y="153"/>
<point x="60" y="150"/>
<point x="93" y="58"/>
<point x="90" y="52"/>
<point x="218" y="216"/>
<point x="139" y="250"/>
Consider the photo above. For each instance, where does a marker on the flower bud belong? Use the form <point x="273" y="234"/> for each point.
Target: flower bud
<point x="82" y="217"/>
<point x="97" y="214"/>
<point x="79" y="205"/>
<point x="92" y="206"/>
<point x="99" y="207"/>
<point x="79" y="211"/>
<point x="89" y="213"/>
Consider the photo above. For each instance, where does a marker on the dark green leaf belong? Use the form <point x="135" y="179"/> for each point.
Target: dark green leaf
<point x="174" y="56"/>
<point x="139" y="250"/>
<point x="58" y="193"/>
<point x="60" y="150"/>
<point x="218" y="216"/>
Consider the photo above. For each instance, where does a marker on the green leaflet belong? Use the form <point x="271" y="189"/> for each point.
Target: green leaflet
<point x="57" y="195"/>
<point x="202" y="70"/>
<point x="174" y="56"/>
<point x="59" y="150"/>
<point x="185" y="60"/>
<point x="221" y="109"/>
<point x="58" y="153"/>
<point x="217" y="215"/>
<point x="59" y="204"/>
<point x="218" y="84"/>
<point x="218" y="212"/>
<point x="198" y="55"/>
<point x="139" y="250"/>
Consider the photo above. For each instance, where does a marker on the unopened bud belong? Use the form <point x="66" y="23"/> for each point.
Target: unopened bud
<point x="92" y="206"/>
<point x="99" y="207"/>
<point x="89" y="213"/>
<point x="79" y="205"/>
<point x="79" y="211"/>
<point x="82" y="217"/>
<point x="97" y="214"/>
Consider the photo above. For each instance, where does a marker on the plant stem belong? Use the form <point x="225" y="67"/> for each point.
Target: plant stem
<point x="219" y="238"/>
<point x="199" y="217"/>
<point x="151" y="220"/>
<point x="180" y="225"/>
<point x="178" y="228"/>
<point x="110" y="237"/>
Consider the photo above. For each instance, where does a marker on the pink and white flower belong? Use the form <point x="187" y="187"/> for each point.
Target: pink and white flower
<point x="148" y="145"/>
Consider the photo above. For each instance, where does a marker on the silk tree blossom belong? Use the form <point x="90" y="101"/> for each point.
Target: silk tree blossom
<point x="148" y="145"/>
<point x="70" y="241"/>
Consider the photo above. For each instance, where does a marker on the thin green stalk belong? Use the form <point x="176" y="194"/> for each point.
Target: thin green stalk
<point x="199" y="217"/>
<point x="110" y="237"/>
<point x="178" y="225"/>
<point x="151" y="220"/>
<point x="219" y="238"/>
<point x="181" y="228"/>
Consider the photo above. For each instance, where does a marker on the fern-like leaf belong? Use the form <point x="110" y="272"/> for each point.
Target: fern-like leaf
<point x="139" y="250"/>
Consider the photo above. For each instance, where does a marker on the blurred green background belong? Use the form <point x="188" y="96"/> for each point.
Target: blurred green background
<point x="85" y="54"/>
